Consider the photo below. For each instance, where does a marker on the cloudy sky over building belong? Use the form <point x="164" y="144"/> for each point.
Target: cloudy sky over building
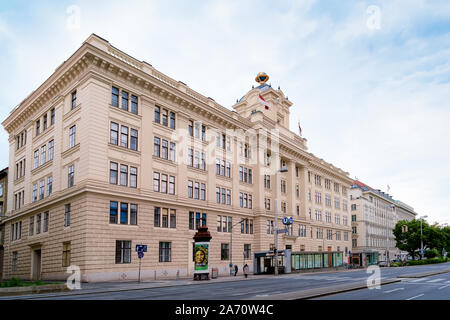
<point x="370" y="80"/>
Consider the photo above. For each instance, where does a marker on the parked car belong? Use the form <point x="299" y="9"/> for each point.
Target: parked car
<point x="383" y="264"/>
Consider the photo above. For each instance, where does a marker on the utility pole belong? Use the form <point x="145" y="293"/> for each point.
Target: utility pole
<point x="275" y="249"/>
<point x="231" y="242"/>
<point x="421" y="236"/>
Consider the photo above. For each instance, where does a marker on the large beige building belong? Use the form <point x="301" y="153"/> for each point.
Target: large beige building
<point x="109" y="152"/>
<point x="374" y="216"/>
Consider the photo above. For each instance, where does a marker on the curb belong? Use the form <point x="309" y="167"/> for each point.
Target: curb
<point x="14" y="291"/>
<point x="134" y="289"/>
<point x="320" y="292"/>
<point x="424" y="274"/>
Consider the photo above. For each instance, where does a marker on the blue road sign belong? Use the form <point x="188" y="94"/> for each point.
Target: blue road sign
<point x="285" y="220"/>
<point x="140" y="254"/>
<point x="141" y="248"/>
<point x="291" y="220"/>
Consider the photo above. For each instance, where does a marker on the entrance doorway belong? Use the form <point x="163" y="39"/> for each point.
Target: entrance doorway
<point x="36" y="272"/>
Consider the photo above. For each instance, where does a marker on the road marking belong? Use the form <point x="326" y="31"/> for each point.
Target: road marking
<point x="420" y="279"/>
<point x="394" y="290"/>
<point x="415" y="296"/>
<point x="436" y="280"/>
<point x="444" y="286"/>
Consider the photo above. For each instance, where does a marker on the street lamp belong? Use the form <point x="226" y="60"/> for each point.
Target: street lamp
<point x="283" y="169"/>
<point x="231" y="242"/>
<point x="421" y="235"/>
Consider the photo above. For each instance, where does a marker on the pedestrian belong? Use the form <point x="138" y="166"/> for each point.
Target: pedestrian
<point x="235" y="270"/>
<point x="245" y="269"/>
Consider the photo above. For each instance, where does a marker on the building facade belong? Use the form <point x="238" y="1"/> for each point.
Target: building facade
<point x="3" y="196"/>
<point x="109" y="153"/>
<point x="374" y="215"/>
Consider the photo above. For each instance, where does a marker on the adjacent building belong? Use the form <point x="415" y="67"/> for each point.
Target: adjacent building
<point x="109" y="152"/>
<point x="374" y="215"/>
<point x="3" y="196"/>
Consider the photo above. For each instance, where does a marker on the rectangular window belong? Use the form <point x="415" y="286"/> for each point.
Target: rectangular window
<point x="74" y="99"/>
<point x="38" y="223"/>
<point x="156" y="181"/>
<point x="171" y="184"/>
<point x="123" y="251"/>
<point x="157" y="114"/>
<point x="133" y="177"/>
<point x="123" y="175"/>
<point x="36" y="159"/>
<point x="124" y="100"/>
<point x="197" y="190"/>
<point x="115" y="97"/>
<point x="51" y="150"/>
<point x="133" y="139"/>
<point x="113" y="211"/>
<point x="173" y="219"/>
<point x="190" y="189"/>
<point x="165" y="116"/>
<point x="72" y="132"/>
<point x="114" y="133"/>
<point x="133" y="214"/>
<point x="52" y="117"/>
<point x="43" y="154"/>
<point x="67" y="214"/>
<point x="15" y="259"/>
<point x="38" y="127"/>
<point x="203" y="192"/>
<point x="172" y="120"/>
<point x="164" y="149"/>
<point x="34" y="195"/>
<point x="113" y="172"/>
<point x="157" y="217"/>
<point x="165" y="252"/>
<point x="134" y="104"/>
<point x="46" y="217"/>
<point x="123" y="213"/>
<point x="31" y="226"/>
<point x="124" y="136"/>
<point x="224" y="251"/>
<point x="157" y="147"/>
<point x="172" y="151"/>
<point x="165" y="218"/>
<point x="66" y="254"/>
<point x="41" y="189"/>
<point x="45" y="121"/>
<point x="191" y="128"/>
<point x="164" y="183"/>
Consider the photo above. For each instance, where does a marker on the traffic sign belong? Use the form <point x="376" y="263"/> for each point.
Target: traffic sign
<point x="141" y="248"/>
<point x="140" y="254"/>
<point x="291" y="220"/>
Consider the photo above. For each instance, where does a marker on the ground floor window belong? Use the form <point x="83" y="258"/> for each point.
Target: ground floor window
<point x="66" y="254"/>
<point x="15" y="259"/>
<point x="224" y="251"/>
<point x="165" y="252"/>
<point x="123" y="251"/>
<point x="247" y="251"/>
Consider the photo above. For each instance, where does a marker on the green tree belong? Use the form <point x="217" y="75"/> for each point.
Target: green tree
<point x="410" y="240"/>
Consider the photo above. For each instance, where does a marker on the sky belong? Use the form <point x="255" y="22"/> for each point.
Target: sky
<point x="370" y="80"/>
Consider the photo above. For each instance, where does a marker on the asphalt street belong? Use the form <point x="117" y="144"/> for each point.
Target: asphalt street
<point x="263" y="287"/>
<point x="427" y="288"/>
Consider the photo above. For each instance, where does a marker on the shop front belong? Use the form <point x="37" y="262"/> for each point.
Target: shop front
<point x="316" y="260"/>
<point x="264" y="262"/>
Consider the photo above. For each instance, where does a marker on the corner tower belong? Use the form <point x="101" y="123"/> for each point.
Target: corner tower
<point x="272" y="103"/>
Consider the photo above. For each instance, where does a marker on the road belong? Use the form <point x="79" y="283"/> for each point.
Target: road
<point x="428" y="288"/>
<point x="260" y="287"/>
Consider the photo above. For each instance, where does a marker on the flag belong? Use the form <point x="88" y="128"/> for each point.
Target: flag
<point x="264" y="102"/>
<point x="299" y="129"/>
